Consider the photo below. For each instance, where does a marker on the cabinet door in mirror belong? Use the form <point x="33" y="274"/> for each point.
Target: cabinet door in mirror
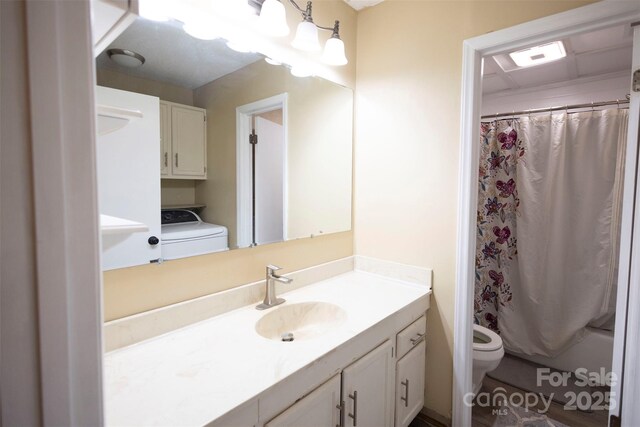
<point x="293" y="182"/>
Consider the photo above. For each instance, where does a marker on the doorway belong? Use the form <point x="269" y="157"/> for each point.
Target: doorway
<point x="261" y="157"/>
<point x="586" y="19"/>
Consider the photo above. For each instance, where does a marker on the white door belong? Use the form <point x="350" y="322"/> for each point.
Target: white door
<point x="368" y="388"/>
<point x="129" y="178"/>
<point x="410" y="385"/>
<point x="317" y="409"/>
<point x="269" y="181"/>
<point x="188" y="141"/>
<point x="626" y="348"/>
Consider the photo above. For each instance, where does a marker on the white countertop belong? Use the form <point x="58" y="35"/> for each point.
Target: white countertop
<point x="196" y="374"/>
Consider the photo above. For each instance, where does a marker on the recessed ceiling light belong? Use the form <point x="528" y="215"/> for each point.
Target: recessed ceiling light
<point x="539" y="54"/>
<point x="125" y="57"/>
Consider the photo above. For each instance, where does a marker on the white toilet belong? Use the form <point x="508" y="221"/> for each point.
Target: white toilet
<point x="487" y="354"/>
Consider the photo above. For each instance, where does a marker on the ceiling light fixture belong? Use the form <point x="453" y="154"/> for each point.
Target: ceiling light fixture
<point x="125" y="57"/>
<point x="273" y="21"/>
<point x="539" y="54"/>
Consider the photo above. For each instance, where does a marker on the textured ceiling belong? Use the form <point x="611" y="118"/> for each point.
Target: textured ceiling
<point x="588" y="55"/>
<point x="175" y="57"/>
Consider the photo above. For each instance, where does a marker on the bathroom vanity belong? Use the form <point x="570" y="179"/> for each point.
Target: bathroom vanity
<point x="357" y="357"/>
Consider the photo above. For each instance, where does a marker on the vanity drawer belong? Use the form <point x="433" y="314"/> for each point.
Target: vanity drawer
<point x="411" y="336"/>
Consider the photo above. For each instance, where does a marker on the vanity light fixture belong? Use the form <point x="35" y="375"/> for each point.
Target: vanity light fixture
<point x="200" y="31"/>
<point x="273" y="21"/>
<point x="126" y="58"/>
<point x="301" y="71"/>
<point x="272" y="61"/>
<point x="239" y="47"/>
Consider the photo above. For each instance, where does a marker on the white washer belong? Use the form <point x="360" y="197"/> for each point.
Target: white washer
<point x="184" y="234"/>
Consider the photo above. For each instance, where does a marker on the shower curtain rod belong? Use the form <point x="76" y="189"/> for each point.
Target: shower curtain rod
<point x="558" y="108"/>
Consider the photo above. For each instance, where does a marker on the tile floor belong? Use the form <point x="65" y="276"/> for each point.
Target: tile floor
<point x="556" y="416"/>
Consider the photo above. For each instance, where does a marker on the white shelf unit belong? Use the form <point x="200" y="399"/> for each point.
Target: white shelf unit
<point x="114" y="225"/>
<point x="111" y="119"/>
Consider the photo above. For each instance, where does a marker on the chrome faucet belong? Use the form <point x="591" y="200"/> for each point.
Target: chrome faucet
<point x="270" y="299"/>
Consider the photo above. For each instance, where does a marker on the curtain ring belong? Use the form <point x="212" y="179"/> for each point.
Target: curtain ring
<point x="592" y="107"/>
<point x="618" y="103"/>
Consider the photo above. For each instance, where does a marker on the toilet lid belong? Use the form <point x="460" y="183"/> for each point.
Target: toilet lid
<point x="485" y="339"/>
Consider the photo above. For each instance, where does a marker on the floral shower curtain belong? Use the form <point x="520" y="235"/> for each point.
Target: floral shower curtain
<point x="496" y="246"/>
<point x="548" y="224"/>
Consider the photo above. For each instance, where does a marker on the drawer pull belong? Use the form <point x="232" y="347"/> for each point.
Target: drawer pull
<point x="176" y="159"/>
<point x="405" y="399"/>
<point x="166" y="161"/>
<point x="340" y="407"/>
<point x="354" y="397"/>
<point x="417" y="339"/>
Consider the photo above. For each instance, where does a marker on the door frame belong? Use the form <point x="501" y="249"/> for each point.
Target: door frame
<point x="62" y="187"/>
<point x="588" y="18"/>
<point x="244" y="127"/>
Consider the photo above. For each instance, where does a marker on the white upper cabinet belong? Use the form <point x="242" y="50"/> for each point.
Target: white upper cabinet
<point x="165" y="138"/>
<point x="183" y="141"/>
<point x="368" y="389"/>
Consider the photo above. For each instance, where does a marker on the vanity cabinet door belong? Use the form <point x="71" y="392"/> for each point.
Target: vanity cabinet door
<point x="188" y="142"/>
<point x="165" y="138"/>
<point x="410" y="385"/>
<point x="367" y="389"/>
<point x="318" y="409"/>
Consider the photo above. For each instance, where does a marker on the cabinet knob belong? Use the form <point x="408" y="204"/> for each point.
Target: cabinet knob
<point x="153" y="240"/>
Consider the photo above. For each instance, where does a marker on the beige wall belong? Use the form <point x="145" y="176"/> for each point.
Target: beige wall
<point x="319" y="124"/>
<point x="177" y="192"/>
<point x="407" y="144"/>
<point x="138" y="289"/>
<point x="132" y="290"/>
<point x="274" y="116"/>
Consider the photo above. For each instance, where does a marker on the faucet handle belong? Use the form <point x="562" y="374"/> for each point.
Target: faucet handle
<point x="272" y="268"/>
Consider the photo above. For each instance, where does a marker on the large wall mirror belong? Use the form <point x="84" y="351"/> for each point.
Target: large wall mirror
<point x="220" y="148"/>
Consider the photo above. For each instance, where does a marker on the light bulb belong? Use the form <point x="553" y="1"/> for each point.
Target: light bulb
<point x="154" y="10"/>
<point x="200" y="30"/>
<point x="306" y="37"/>
<point x="334" y="52"/>
<point x="301" y="71"/>
<point x="273" y="19"/>
<point x="238" y="46"/>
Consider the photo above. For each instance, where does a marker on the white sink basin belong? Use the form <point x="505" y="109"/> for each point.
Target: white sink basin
<point x="305" y="320"/>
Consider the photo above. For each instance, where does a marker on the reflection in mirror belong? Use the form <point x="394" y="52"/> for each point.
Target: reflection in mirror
<point x="234" y="151"/>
